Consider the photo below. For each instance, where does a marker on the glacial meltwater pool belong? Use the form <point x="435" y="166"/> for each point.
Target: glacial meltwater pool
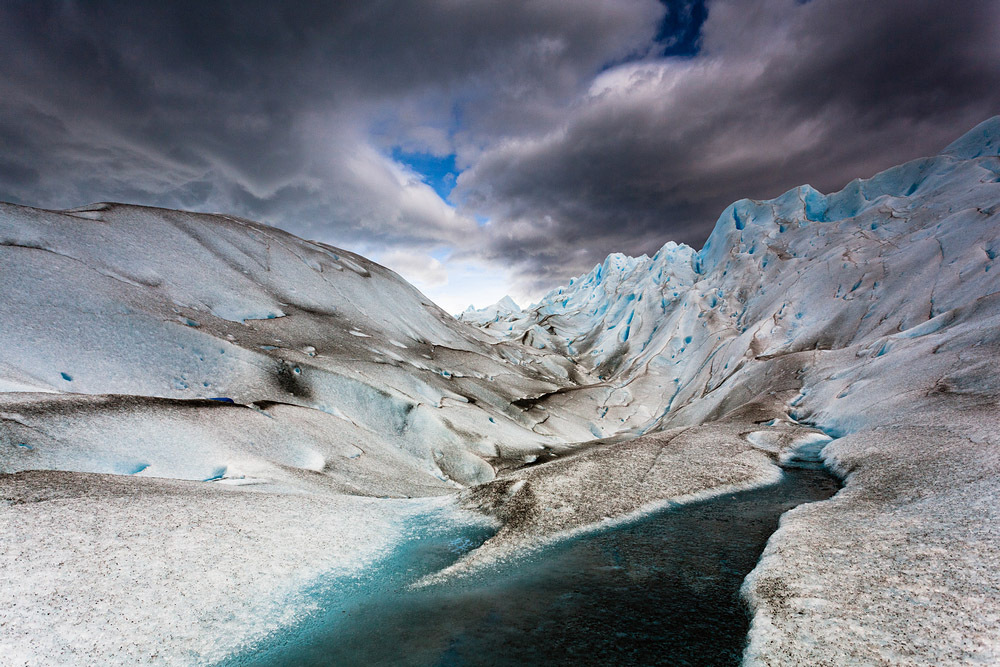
<point x="663" y="589"/>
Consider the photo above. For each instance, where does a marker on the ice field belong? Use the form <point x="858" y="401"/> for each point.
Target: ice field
<point x="203" y="418"/>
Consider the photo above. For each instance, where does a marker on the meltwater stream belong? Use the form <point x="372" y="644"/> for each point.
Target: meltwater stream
<point x="661" y="590"/>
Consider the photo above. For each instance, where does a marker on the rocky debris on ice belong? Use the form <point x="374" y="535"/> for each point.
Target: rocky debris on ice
<point x="607" y="482"/>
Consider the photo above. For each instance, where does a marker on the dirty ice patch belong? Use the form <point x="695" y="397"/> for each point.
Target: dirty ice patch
<point x="239" y="563"/>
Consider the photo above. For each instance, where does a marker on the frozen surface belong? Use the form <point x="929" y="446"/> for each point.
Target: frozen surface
<point x="133" y="301"/>
<point x="98" y="569"/>
<point x="298" y="389"/>
<point x="188" y="380"/>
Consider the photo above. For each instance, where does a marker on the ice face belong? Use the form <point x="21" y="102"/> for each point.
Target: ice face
<point x="803" y="271"/>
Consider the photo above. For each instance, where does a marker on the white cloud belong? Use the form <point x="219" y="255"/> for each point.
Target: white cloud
<point x="420" y="269"/>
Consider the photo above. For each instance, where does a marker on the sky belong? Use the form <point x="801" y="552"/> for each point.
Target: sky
<point x="481" y="148"/>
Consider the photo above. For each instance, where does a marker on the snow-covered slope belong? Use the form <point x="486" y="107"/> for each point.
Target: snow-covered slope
<point x="356" y="369"/>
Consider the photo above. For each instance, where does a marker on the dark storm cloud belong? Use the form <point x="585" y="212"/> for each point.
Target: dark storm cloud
<point x="582" y="127"/>
<point x="781" y="93"/>
<point x="267" y="109"/>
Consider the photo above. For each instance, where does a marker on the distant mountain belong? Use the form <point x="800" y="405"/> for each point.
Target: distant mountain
<point x="505" y="308"/>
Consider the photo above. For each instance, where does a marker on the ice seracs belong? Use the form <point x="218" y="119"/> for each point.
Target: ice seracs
<point x="504" y="308"/>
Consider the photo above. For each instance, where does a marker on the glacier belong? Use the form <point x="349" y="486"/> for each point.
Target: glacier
<point x="201" y="415"/>
<point x="866" y="321"/>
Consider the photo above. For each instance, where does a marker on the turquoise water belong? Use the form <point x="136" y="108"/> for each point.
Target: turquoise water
<point x="661" y="590"/>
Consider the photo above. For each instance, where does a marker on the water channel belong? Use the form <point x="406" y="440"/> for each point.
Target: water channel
<point x="663" y="589"/>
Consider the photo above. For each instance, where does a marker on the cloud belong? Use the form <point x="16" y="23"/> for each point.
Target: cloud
<point x="577" y="129"/>
<point x="781" y="93"/>
<point x="422" y="270"/>
<point x="285" y="113"/>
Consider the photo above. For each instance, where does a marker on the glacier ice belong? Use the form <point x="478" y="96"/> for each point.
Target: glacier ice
<point x="226" y="308"/>
<point x="245" y="401"/>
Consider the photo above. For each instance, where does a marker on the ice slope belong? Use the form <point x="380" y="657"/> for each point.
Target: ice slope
<point x="339" y="353"/>
<point x="259" y="411"/>
<point x="871" y="314"/>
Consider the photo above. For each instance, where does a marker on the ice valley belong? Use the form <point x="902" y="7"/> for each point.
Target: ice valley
<point x="205" y="420"/>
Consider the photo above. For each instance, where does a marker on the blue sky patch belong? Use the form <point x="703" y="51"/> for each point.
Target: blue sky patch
<point x="679" y="33"/>
<point x="439" y="172"/>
